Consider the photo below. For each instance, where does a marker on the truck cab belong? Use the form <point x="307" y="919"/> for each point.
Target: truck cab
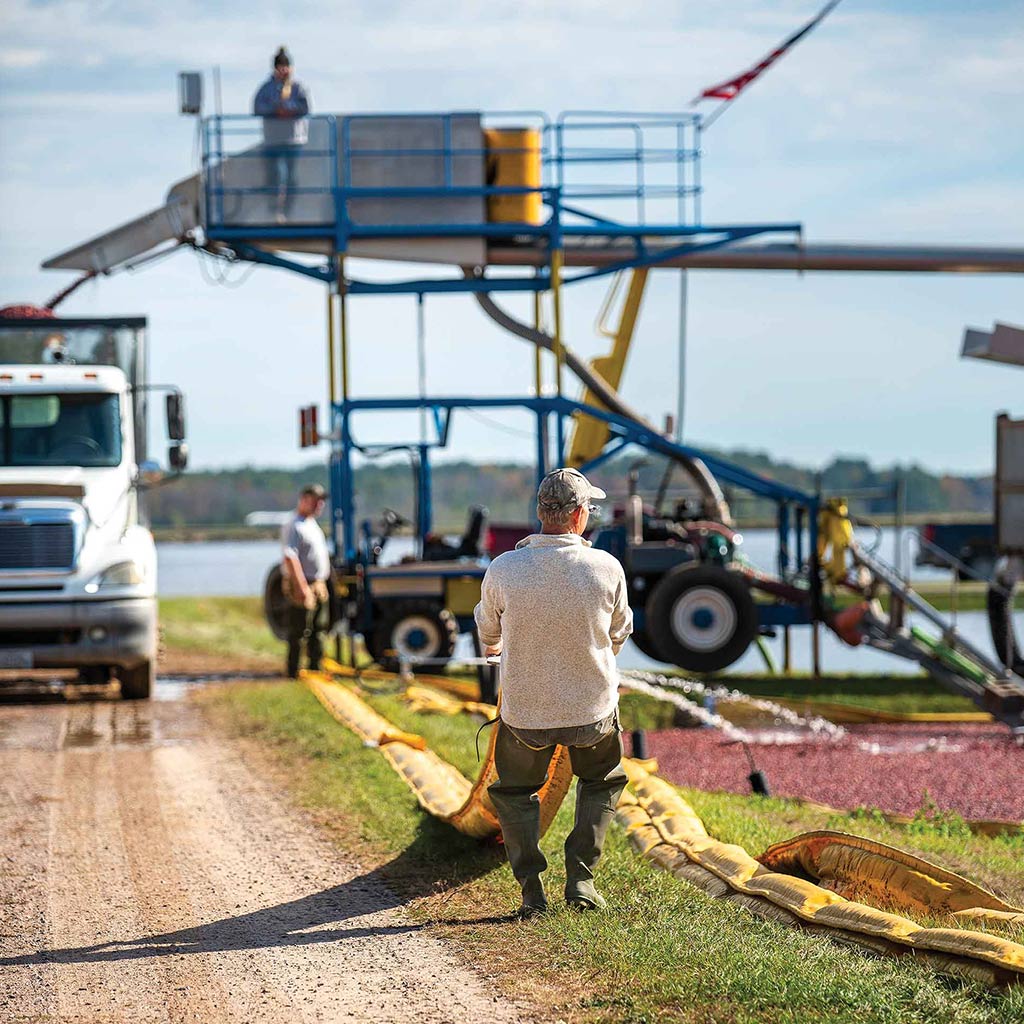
<point x="77" y="561"/>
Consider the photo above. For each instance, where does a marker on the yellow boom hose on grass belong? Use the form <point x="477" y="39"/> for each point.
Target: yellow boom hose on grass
<point x="664" y="828"/>
<point x="440" y="788"/>
<point x="667" y="832"/>
<point x="856" y="867"/>
<point x="853" y="714"/>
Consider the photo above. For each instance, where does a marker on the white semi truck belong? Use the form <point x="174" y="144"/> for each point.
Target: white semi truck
<point x="77" y="561"/>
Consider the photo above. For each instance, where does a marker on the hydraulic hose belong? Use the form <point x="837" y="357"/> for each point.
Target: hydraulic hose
<point x="715" y="505"/>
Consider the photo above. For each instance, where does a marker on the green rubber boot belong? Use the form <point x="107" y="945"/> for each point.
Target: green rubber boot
<point x="601" y="781"/>
<point x="582" y="895"/>
<point x="535" y="900"/>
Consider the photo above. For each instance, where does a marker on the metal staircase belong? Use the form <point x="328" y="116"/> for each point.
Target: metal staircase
<point x="950" y="657"/>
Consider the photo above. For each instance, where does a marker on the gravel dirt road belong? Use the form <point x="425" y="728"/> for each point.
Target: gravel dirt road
<point x="148" y="872"/>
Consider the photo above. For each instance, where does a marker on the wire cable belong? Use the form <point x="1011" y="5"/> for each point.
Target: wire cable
<point x="498" y="425"/>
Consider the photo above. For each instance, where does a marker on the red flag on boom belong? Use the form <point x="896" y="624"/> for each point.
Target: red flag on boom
<point x="731" y="89"/>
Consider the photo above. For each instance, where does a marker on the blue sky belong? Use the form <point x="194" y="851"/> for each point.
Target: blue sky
<point x="891" y="123"/>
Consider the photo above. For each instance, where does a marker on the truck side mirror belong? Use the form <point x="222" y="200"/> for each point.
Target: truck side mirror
<point x="177" y="456"/>
<point x="176" y="416"/>
<point x="150" y="472"/>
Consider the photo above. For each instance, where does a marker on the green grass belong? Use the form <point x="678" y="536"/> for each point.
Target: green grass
<point x="217" y="625"/>
<point x="912" y="693"/>
<point x="965" y="596"/>
<point x="666" y="952"/>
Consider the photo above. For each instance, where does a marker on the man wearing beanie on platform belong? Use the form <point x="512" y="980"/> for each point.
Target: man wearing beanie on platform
<point x="556" y="610"/>
<point x="283" y="104"/>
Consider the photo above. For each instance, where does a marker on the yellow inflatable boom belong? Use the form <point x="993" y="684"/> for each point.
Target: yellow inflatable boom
<point x="666" y="831"/>
<point x="440" y="788"/>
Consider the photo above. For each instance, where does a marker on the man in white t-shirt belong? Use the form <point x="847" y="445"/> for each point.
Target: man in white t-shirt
<point x="305" y="567"/>
<point x="557" y="612"/>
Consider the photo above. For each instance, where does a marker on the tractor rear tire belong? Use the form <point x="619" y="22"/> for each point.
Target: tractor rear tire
<point x="275" y="604"/>
<point x="703" y="616"/>
<point x="1000" y="621"/>
<point x="414" y="628"/>
<point x="646" y="646"/>
<point x="137" y="683"/>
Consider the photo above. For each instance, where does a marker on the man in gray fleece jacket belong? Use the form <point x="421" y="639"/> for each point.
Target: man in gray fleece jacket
<point x="556" y="611"/>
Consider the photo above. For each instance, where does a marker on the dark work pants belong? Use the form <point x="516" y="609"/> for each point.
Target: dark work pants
<point x="522" y="771"/>
<point x="305" y="626"/>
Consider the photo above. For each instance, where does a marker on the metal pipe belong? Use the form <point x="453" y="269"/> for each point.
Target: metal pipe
<point x="556" y="334"/>
<point x="681" y="394"/>
<point x="787" y="256"/>
<point x="900" y="488"/>
<point x="421" y="358"/>
<point x="343" y="310"/>
<point x="538" y="369"/>
<point x="331" y="355"/>
<point x="538" y="386"/>
<point x="715" y="505"/>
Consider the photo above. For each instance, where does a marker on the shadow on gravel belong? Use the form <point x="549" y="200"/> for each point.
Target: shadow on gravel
<point x="431" y="865"/>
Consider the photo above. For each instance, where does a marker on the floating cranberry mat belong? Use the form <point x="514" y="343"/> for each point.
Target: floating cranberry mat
<point x="975" y="770"/>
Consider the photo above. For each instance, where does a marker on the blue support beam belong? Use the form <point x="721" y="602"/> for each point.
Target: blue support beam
<point x="323" y="274"/>
<point x="629" y="432"/>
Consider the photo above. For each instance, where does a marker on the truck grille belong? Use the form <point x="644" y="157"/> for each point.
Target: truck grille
<point x="39" y="637"/>
<point x="37" y="545"/>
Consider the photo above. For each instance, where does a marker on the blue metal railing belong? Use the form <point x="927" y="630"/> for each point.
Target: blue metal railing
<point x="239" y="166"/>
<point x="622" y="166"/>
<point x="653" y="140"/>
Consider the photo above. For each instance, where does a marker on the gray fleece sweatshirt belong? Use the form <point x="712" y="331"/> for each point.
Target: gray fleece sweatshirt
<point x="561" y="610"/>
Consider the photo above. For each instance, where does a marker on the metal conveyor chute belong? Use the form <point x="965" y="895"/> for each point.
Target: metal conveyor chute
<point x="142" y="237"/>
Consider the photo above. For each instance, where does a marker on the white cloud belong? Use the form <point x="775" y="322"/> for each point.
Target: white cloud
<point x="86" y="101"/>
<point x="16" y="58"/>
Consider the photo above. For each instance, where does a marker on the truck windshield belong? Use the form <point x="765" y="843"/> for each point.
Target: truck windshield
<point x="60" y="430"/>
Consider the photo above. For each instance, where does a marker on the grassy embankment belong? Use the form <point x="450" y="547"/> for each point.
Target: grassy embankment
<point x="220" y="626"/>
<point x="666" y="951"/>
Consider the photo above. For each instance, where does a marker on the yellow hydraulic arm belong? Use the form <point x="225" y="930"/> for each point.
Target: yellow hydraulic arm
<point x="590" y="435"/>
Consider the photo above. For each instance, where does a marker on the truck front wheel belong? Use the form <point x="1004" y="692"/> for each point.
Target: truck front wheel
<point x="137" y="683"/>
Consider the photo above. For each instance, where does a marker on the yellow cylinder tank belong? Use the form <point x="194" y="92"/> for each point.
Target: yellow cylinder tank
<point x="514" y="161"/>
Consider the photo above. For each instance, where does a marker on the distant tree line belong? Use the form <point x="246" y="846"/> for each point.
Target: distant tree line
<point x="225" y="497"/>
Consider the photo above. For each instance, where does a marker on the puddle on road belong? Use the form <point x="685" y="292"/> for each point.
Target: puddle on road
<point x="48" y="714"/>
<point x="175" y="689"/>
<point x="110" y="725"/>
<point x="59" y="691"/>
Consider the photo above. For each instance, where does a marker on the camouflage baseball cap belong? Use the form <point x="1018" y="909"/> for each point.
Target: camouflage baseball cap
<point x="565" y="490"/>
